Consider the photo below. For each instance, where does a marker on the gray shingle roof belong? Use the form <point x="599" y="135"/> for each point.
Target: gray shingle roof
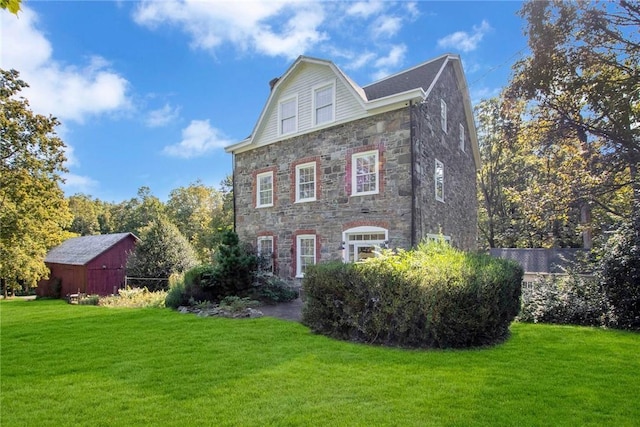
<point x="81" y="250"/>
<point x="420" y="76"/>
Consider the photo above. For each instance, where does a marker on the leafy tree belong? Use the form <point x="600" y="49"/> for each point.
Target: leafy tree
<point x="12" y="6"/>
<point x="135" y="214"/>
<point x="33" y="210"/>
<point x="196" y="211"/>
<point x="162" y="251"/>
<point x="584" y="74"/>
<point x="85" y="215"/>
<point x="501" y="173"/>
<point x="539" y="185"/>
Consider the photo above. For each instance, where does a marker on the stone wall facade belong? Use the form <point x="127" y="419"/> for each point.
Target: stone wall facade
<point x="457" y="215"/>
<point x="408" y="142"/>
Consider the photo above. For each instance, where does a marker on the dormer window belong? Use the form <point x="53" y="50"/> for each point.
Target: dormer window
<point x="288" y="116"/>
<point x="323" y="104"/>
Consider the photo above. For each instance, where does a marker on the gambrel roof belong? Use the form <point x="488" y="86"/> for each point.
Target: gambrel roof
<point x="81" y="250"/>
<point x="390" y="93"/>
<point x="422" y="76"/>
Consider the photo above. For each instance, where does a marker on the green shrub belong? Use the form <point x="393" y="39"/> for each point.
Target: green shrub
<point x="89" y="300"/>
<point x="572" y="299"/>
<point x="236" y="304"/>
<point x="135" y="298"/>
<point x="272" y="289"/>
<point x="235" y="267"/>
<point x="620" y="276"/>
<point x="176" y="295"/>
<point x="433" y="296"/>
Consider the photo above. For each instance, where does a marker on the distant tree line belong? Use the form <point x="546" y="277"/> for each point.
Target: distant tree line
<point x="198" y="212"/>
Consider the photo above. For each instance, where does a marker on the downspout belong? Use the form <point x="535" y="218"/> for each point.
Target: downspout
<point x="413" y="172"/>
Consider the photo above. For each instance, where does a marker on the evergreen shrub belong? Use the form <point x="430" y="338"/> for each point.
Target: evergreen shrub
<point x="619" y="271"/>
<point x="433" y="296"/>
<point x="270" y="288"/>
<point x="571" y="299"/>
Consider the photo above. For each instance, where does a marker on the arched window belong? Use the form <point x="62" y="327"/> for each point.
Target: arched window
<point x="362" y="242"/>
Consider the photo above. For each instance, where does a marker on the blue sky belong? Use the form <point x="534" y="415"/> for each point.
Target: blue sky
<point x="149" y="93"/>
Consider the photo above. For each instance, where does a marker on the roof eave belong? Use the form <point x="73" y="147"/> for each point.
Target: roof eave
<point x="398" y="99"/>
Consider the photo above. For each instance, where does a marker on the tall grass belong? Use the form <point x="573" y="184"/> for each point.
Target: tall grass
<point x="85" y="365"/>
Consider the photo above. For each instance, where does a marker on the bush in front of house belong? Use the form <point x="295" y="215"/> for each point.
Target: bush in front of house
<point x="571" y="299"/>
<point x="432" y="296"/>
<point x="619" y="272"/>
<point x="235" y="267"/>
<point x="272" y="289"/>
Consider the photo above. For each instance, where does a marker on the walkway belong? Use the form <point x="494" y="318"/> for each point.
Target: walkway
<point x="291" y="310"/>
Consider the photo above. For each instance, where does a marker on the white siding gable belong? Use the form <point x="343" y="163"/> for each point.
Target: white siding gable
<point x="300" y="83"/>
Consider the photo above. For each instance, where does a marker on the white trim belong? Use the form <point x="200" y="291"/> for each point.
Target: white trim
<point x="354" y="176"/>
<point x="314" y="91"/>
<point x="299" y="239"/>
<point x="281" y="102"/>
<point x="439" y="165"/>
<point x="361" y="243"/>
<point x="258" y="189"/>
<point x="297" y="184"/>
<point x="443" y="115"/>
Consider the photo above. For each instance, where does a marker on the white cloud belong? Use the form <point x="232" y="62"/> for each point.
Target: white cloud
<point x="248" y="25"/>
<point x="386" y="26"/>
<point x="162" y="116"/>
<point x="198" y="139"/>
<point x="412" y="8"/>
<point x="463" y="41"/>
<point x="365" y="8"/>
<point x="387" y="63"/>
<point x="78" y="184"/>
<point x="360" y="60"/>
<point x="480" y="93"/>
<point x="68" y="92"/>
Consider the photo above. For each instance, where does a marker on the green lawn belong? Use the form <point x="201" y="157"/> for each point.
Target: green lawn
<point x="86" y="365"/>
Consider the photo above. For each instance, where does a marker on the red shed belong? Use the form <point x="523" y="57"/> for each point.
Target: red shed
<point x="88" y="264"/>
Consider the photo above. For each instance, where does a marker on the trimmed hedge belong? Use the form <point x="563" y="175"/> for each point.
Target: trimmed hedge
<point x="433" y="296"/>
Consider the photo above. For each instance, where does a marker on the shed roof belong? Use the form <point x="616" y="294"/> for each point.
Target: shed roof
<point x="538" y="260"/>
<point x="81" y="250"/>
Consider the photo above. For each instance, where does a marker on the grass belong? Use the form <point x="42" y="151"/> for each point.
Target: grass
<point x="86" y="365"/>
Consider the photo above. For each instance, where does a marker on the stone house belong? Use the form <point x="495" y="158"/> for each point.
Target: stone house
<point x="333" y="171"/>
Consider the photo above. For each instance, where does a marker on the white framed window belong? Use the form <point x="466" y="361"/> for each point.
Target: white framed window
<point x="265" y="251"/>
<point x="288" y="116"/>
<point x="305" y="252"/>
<point x="306" y="182"/>
<point x="324" y="104"/>
<point x="443" y="115"/>
<point x="264" y="189"/>
<point x="365" y="173"/>
<point x="360" y="243"/>
<point x="461" y="137"/>
<point x="439" y="180"/>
